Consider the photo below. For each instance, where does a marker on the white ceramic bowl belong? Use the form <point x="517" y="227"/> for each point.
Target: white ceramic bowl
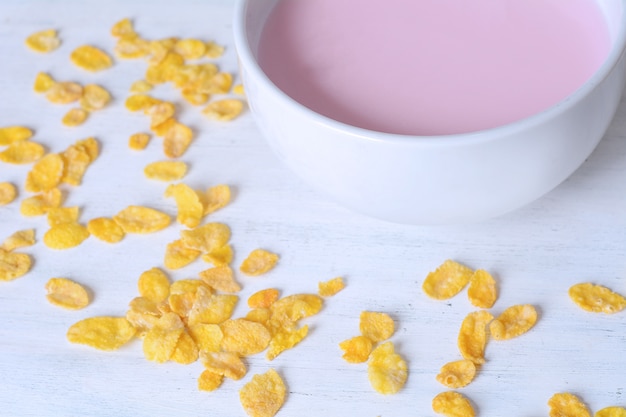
<point x="433" y="180"/>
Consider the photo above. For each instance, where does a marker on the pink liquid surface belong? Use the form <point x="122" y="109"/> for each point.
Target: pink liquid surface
<point x="432" y="67"/>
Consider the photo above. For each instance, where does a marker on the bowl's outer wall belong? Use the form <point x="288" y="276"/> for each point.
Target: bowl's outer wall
<point x="415" y="182"/>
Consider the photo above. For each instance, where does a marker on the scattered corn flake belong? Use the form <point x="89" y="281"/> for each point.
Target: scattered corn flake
<point x="213" y="50"/>
<point x="514" y="321"/>
<point x="8" y="193"/>
<point x="453" y="404"/>
<point x="160" y="112"/>
<point x="376" y="326"/>
<point x="294" y="307"/>
<point x="103" y="332"/>
<point x="564" y="404"/>
<point x="75" y="117"/>
<point x="356" y="349"/>
<point x="221" y="256"/>
<point x="177" y="255"/>
<point x="212" y="308"/>
<point x="186" y="350"/>
<point x="143" y="314"/>
<point x="331" y="287"/>
<point x="228" y="364"/>
<point x="611" y="412"/>
<point x="60" y="215"/>
<point x="285" y="338"/>
<point x="447" y="280"/>
<point x="190" y="210"/>
<point x="90" y="58"/>
<point x="160" y="343"/>
<point x="19" y="239"/>
<point x="139" y="219"/>
<point x="209" y="381"/>
<point x="123" y="29"/>
<point x="258" y="262"/>
<point x="141" y="86"/>
<point x="238" y="89"/>
<point x="482" y="291"/>
<point x="64" y="92"/>
<point x="154" y="285"/>
<point x="12" y="134"/>
<point x="263" y="298"/>
<point x="176" y="140"/>
<point x="106" y="229"/>
<point x="76" y="160"/>
<point x="220" y="278"/>
<point x="259" y="315"/>
<point x="472" y="338"/>
<point x="596" y="298"/>
<point x="46" y="174"/>
<point x="43" y="83"/>
<point x="65" y="236"/>
<point x="165" y="170"/>
<point x="13" y="265"/>
<point x="65" y="293"/>
<point x="138" y="141"/>
<point x="264" y="395"/>
<point x="132" y="48"/>
<point x="194" y="98"/>
<point x="223" y="110"/>
<point x="43" y="41"/>
<point x="90" y="145"/>
<point x="244" y="337"/>
<point x="24" y="152"/>
<point x="207" y="336"/>
<point x="95" y="97"/>
<point x="457" y="374"/>
<point x="386" y="370"/>
<point x="187" y="285"/>
<point x="181" y="303"/>
<point x="140" y="102"/>
<point x="165" y="69"/>
<point x="190" y="48"/>
<point x="206" y="238"/>
<point x="215" y="198"/>
<point x="39" y="204"/>
<point x="162" y="129"/>
<point x="220" y="83"/>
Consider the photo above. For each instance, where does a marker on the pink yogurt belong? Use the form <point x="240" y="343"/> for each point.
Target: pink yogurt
<point x="432" y="67"/>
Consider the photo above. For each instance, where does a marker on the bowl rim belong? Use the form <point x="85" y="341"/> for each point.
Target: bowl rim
<point x="248" y="60"/>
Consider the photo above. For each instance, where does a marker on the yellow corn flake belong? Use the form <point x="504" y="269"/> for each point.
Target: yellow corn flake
<point x="176" y="140"/>
<point x="263" y="298"/>
<point x="13" y="265"/>
<point x="258" y="262"/>
<point x="65" y="236"/>
<point x="215" y="198"/>
<point x="453" y="404"/>
<point x="160" y="112"/>
<point x="141" y="86"/>
<point x="154" y="285"/>
<point x="457" y="374"/>
<point x="132" y="48"/>
<point x="186" y="350"/>
<point x="564" y="404"/>
<point x="138" y="141"/>
<point x="447" y="280"/>
<point x="220" y="278"/>
<point x="12" y="134"/>
<point x="190" y="210"/>
<point x="284" y="339"/>
<point x="75" y="117"/>
<point x="472" y="338"/>
<point x="264" y="395"/>
<point x="143" y="314"/>
<point x="19" y="239"/>
<point x="43" y="41"/>
<point x="212" y="308"/>
<point x="40" y="204"/>
<point x="386" y="370"/>
<point x="123" y="29"/>
<point x="165" y="69"/>
<point x="194" y="98"/>
<point x="356" y="349"/>
<point x="60" y="215"/>
<point x="160" y="48"/>
<point x="221" y="256"/>
<point x="244" y="337"/>
<point x="140" y="102"/>
<point x="105" y="229"/>
<point x="190" y="48"/>
<point x="206" y="238"/>
<point x="209" y="381"/>
<point x="90" y="145"/>
<point x="238" y="89"/>
<point x="76" y="159"/>
<point x="219" y="83"/>
<point x="103" y="332"/>
<point x="66" y="293"/>
<point x="94" y="97"/>
<point x="24" y="152"/>
<point x="64" y="92"/>
<point x="160" y="343"/>
<point x="331" y="287"/>
<point x="91" y="58"/>
<point x="165" y="170"/>
<point x="596" y="298"/>
<point x="482" y="291"/>
<point x="259" y="315"/>
<point x="45" y="174"/>
<point x="294" y="307"/>
<point x="162" y="129"/>
<point x="213" y="50"/>
<point x="228" y="364"/>
<point x="43" y="83"/>
<point x="181" y="303"/>
<point x="177" y="255"/>
<point x="376" y="326"/>
<point x="223" y="110"/>
<point x="8" y="192"/>
<point x="611" y="412"/>
<point x="208" y="337"/>
<point x="187" y="285"/>
<point x="514" y="321"/>
<point x="139" y="219"/>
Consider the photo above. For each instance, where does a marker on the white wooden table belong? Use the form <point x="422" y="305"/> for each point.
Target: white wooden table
<point x="575" y="233"/>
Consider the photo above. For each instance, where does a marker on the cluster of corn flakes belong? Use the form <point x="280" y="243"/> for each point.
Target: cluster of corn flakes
<point x="565" y="404"/>
<point x="15" y="264"/>
<point x="387" y="370"/>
